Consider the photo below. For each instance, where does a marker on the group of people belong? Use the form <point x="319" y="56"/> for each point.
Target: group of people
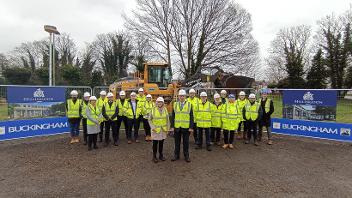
<point x="189" y="115"/>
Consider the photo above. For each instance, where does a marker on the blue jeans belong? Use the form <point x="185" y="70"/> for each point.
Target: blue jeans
<point x="74" y="129"/>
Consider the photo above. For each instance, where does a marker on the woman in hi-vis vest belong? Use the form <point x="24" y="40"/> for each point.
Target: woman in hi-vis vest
<point x="160" y="125"/>
<point x="94" y="118"/>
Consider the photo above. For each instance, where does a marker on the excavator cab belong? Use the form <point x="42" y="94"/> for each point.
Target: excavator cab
<point x="158" y="74"/>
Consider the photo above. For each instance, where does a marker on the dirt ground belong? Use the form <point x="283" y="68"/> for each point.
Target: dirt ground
<point x="293" y="167"/>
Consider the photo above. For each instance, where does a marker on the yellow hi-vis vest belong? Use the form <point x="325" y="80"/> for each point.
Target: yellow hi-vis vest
<point x="194" y="101"/>
<point x="95" y="114"/>
<point x="267" y="105"/>
<point x="240" y="105"/>
<point x="73" y="108"/>
<point x="231" y="116"/>
<point x="182" y="117"/>
<point x="100" y="103"/>
<point x="122" y="107"/>
<point x="147" y="108"/>
<point x="129" y="110"/>
<point x="159" y="120"/>
<point x="252" y="111"/>
<point x="84" y="107"/>
<point x="216" y="112"/>
<point x="204" y="115"/>
<point x="141" y="99"/>
<point x="110" y="110"/>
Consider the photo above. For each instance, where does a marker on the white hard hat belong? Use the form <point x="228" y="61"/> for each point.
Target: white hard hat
<point x="122" y="93"/>
<point x="110" y="95"/>
<point x="133" y="94"/>
<point x="216" y="96"/>
<point x="93" y="98"/>
<point x="140" y="90"/>
<point x="192" y="91"/>
<point x="149" y="96"/>
<point x="203" y="94"/>
<point x="74" y="93"/>
<point x="251" y="96"/>
<point x="182" y="92"/>
<point x="103" y="93"/>
<point x="223" y="91"/>
<point x="242" y="93"/>
<point x="160" y="99"/>
<point x="86" y="94"/>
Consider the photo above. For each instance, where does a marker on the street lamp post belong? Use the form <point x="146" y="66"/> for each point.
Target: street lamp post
<point x="52" y="31"/>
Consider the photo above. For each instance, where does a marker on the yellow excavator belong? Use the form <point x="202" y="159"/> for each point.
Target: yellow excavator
<point x="156" y="80"/>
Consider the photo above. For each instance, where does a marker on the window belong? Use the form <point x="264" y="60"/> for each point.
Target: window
<point x="159" y="75"/>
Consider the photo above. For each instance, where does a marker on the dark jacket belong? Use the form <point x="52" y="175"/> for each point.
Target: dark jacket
<point x="267" y="116"/>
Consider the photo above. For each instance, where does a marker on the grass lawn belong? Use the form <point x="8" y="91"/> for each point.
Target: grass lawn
<point x="3" y="111"/>
<point x="343" y="114"/>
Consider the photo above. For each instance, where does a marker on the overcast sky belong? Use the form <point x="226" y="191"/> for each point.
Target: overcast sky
<point x="23" y="20"/>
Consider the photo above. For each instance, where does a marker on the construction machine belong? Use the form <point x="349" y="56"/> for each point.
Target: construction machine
<point x="156" y="80"/>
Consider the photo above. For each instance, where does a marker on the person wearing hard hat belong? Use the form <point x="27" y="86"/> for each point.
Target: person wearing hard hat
<point x="94" y="118"/>
<point x="141" y="98"/>
<point x="241" y="102"/>
<point x="100" y="103"/>
<point x="230" y="119"/>
<point x="182" y="125"/>
<point x="194" y="100"/>
<point x="203" y="121"/>
<point x="145" y="111"/>
<point x="252" y="113"/>
<point x="133" y="112"/>
<point x="160" y="125"/>
<point x="110" y="111"/>
<point x="122" y="105"/>
<point x="216" y="122"/>
<point x="84" y="106"/>
<point x="223" y="94"/>
<point x="73" y="113"/>
<point x="267" y="106"/>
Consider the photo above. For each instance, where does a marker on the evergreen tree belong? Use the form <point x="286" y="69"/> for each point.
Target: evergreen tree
<point x="316" y="78"/>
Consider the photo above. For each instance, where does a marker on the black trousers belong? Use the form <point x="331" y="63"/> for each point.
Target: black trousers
<point x="121" y="119"/>
<point x="181" y="133"/>
<point x="145" y="125"/>
<point x="92" y="140"/>
<point x="157" y="143"/>
<point x="244" y="124"/>
<point x="228" y="140"/>
<point x="215" y="134"/>
<point x="195" y="133"/>
<point x="132" y="123"/>
<point x="102" y="124"/>
<point x="110" y="124"/>
<point x="252" y="129"/>
<point x="266" y="122"/>
<point x="84" y="125"/>
<point x="200" y="136"/>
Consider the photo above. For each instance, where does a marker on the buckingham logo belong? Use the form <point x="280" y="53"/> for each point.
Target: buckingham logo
<point x="307" y="128"/>
<point x="34" y="127"/>
<point x="2" y="130"/>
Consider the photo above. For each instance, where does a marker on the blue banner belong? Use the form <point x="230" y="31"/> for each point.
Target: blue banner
<point x="30" y="128"/>
<point x="327" y="98"/>
<point x="322" y="130"/>
<point x="35" y="94"/>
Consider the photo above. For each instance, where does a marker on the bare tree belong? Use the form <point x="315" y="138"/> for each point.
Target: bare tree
<point x="290" y="52"/>
<point x="197" y="33"/>
<point x="66" y="49"/>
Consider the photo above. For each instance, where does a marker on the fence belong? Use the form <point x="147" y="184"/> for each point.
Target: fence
<point x="4" y="107"/>
<point x="343" y="109"/>
<point x="98" y="89"/>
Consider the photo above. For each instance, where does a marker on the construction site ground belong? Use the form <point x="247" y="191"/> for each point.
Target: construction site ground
<point x="292" y="167"/>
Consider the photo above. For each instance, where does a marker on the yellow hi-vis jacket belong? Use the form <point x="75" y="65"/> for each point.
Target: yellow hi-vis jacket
<point x="230" y="116"/>
<point x="73" y="108"/>
<point x="182" y="117"/>
<point x="160" y="120"/>
<point x="203" y="115"/>
<point x="216" y="112"/>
